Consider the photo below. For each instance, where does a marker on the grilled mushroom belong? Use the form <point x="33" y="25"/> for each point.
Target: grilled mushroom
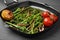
<point x="41" y="28"/>
<point x="7" y="14"/>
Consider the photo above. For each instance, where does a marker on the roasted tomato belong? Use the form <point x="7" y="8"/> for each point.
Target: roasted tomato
<point x="47" y="22"/>
<point x="45" y="14"/>
<point x="54" y="17"/>
<point x="7" y="14"/>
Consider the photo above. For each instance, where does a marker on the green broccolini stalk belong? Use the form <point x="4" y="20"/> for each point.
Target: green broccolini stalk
<point x="16" y="14"/>
<point x="12" y="24"/>
<point x="34" y="18"/>
<point x="31" y="28"/>
<point x="20" y="16"/>
<point x="18" y="27"/>
<point x="39" y="26"/>
<point x="38" y="20"/>
<point x="35" y="11"/>
<point x="36" y="23"/>
<point x="17" y="10"/>
<point x="27" y="19"/>
<point x="28" y="14"/>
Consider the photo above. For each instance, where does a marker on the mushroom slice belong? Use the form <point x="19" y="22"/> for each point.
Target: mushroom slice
<point x="41" y="28"/>
<point x="7" y="14"/>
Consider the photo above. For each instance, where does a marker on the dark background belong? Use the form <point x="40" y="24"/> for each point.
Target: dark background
<point x="53" y="34"/>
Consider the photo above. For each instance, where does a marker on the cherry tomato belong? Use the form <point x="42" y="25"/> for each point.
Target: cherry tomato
<point x="47" y="22"/>
<point x="45" y="14"/>
<point x="54" y="17"/>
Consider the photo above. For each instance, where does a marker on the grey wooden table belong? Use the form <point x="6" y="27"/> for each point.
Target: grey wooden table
<point x="54" y="34"/>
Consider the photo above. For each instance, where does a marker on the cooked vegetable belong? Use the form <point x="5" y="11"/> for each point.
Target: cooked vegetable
<point x="7" y="14"/>
<point x="16" y="26"/>
<point x="48" y="22"/>
<point x="41" y="28"/>
<point x="54" y="17"/>
<point x="45" y="14"/>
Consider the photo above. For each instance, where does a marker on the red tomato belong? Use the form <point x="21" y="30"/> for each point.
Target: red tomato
<point x="54" y="17"/>
<point x="45" y="14"/>
<point x="47" y="22"/>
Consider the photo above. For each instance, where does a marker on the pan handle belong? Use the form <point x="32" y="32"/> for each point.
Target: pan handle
<point x="8" y="4"/>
